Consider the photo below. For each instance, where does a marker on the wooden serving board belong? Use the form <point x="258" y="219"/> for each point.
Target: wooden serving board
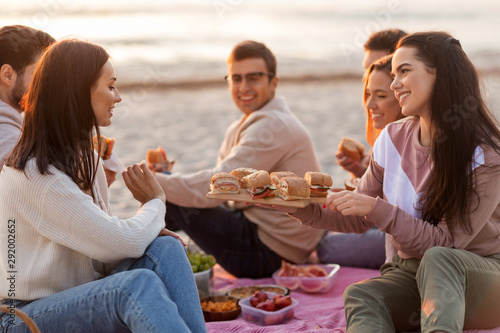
<point x="317" y="200"/>
<point x="245" y="196"/>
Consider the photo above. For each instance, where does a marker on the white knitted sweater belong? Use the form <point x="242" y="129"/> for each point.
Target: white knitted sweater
<point x="53" y="236"/>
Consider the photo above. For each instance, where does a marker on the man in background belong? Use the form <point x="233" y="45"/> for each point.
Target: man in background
<point x="248" y="241"/>
<point x="380" y="44"/>
<point x="20" y="50"/>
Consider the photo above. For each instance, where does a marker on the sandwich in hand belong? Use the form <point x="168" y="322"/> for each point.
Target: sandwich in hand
<point x="293" y="188"/>
<point x="351" y="183"/>
<point x="157" y="160"/>
<point x="240" y="173"/>
<point x="259" y="185"/>
<point x="352" y="149"/>
<point x="224" y="183"/>
<point x="104" y="146"/>
<point x="319" y="183"/>
<point x="276" y="176"/>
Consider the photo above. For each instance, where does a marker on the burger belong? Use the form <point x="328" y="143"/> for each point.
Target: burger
<point x="351" y="183"/>
<point x="319" y="183"/>
<point x="259" y="185"/>
<point x="157" y="160"/>
<point x="352" y="149"/>
<point x="293" y="188"/>
<point x="224" y="183"/>
<point x="103" y="146"/>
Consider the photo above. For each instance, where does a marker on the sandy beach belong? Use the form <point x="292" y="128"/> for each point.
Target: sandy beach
<point x="189" y="123"/>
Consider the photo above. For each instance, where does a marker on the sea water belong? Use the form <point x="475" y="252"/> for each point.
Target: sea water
<point x="183" y="41"/>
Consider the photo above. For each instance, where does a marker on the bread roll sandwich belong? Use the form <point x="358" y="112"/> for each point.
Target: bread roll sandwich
<point x="157" y="160"/>
<point x="240" y="173"/>
<point x="224" y="183"/>
<point x="352" y="148"/>
<point x="319" y="183"/>
<point x="104" y="147"/>
<point x="293" y="188"/>
<point x="276" y="176"/>
<point x="351" y="183"/>
<point x="259" y="185"/>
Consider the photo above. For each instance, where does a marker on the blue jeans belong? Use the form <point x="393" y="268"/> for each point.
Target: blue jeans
<point x="155" y="293"/>
<point x="365" y="250"/>
<point x="229" y="236"/>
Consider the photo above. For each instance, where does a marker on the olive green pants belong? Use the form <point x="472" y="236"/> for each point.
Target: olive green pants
<point x="448" y="290"/>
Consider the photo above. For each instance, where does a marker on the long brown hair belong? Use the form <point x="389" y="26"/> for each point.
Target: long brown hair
<point x="59" y="120"/>
<point x="460" y="122"/>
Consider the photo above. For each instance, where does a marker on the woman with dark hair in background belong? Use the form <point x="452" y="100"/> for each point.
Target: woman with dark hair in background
<point x="74" y="265"/>
<point x="433" y="184"/>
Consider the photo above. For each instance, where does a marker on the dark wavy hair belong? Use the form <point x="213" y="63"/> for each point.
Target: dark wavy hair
<point x="59" y="121"/>
<point x="460" y="122"/>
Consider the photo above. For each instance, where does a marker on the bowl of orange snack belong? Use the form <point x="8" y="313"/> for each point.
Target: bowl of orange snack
<point x="220" y="308"/>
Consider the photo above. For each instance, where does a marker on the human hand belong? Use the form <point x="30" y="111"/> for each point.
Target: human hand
<point x="348" y="164"/>
<point x="350" y="203"/>
<point x="166" y="232"/>
<point x="142" y="183"/>
<point x="161" y="167"/>
<point x="110" y="176"/>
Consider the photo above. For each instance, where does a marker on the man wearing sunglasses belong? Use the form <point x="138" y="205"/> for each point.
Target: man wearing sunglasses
<point x="248" y="241"/>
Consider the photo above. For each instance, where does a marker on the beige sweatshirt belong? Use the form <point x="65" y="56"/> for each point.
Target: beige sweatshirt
<point x="271" y="139"/>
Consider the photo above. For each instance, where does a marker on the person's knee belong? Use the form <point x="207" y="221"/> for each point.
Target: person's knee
<point x="166" y="246"/>
<point x="134" y="282"/>
<point x="438" y="258"/>
<point x="354" y="293"/>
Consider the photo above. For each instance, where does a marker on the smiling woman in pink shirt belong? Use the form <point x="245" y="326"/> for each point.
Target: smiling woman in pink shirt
<point x="433" y="186"/>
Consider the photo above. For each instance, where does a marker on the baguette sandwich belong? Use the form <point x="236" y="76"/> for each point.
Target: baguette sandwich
<point x="224" y="183"/>
<point x="276" y="176"/>
<point x="259" y="185"/>
<point x="319" y="183"/>
<point x="352" y="149"/>
<point x="158" y="159"/>
<point x="104" y="146"/>
<point x="241" y="173"/>
<point x="293" y="188"/>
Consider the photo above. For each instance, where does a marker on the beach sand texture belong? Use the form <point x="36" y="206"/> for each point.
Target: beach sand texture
<point x="190" y="124"/>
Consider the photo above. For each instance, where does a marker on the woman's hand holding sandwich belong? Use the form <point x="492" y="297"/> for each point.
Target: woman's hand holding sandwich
<point x="350" y="203"/>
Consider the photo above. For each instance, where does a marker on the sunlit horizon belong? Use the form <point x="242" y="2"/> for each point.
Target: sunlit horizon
<point x="192" y="38"/>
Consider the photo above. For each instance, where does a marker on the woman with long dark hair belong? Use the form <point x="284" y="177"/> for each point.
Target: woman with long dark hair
<point x="433" y="185"/>
<point x="72" y="265"/>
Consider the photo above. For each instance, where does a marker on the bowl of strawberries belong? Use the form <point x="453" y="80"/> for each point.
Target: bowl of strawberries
<point x="267" y="308"/>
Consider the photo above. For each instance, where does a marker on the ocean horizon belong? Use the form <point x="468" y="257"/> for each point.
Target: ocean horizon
<point x="186" y="42"/>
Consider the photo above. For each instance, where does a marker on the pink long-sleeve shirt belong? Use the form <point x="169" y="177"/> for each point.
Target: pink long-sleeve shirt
<point x="398" y="174"/>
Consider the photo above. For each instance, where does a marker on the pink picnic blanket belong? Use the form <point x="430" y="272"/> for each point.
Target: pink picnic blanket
<point x="315" y="313"/>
